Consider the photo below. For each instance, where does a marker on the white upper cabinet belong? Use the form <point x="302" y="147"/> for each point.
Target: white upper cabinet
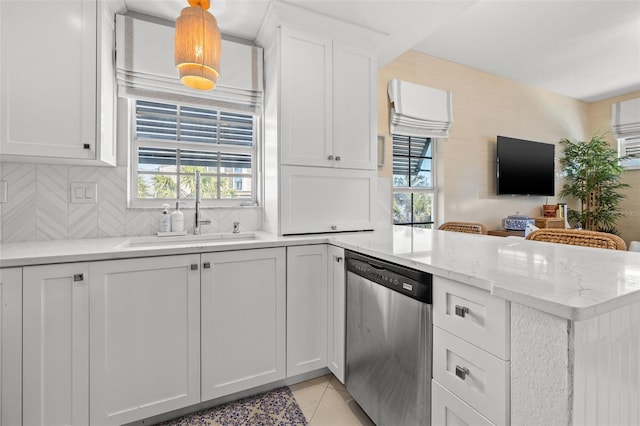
<point x="327" y="102"/>
<point x="354" y="107"/>
<point x="306" y="137"/>
<point x="52" y="105"/>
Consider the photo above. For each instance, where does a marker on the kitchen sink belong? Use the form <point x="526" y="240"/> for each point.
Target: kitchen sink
<point x="183" y="240"/>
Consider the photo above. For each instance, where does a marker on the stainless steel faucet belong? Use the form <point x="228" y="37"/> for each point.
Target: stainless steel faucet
<point x="199" y="222"/>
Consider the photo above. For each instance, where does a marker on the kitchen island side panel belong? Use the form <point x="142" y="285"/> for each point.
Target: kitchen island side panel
<point x="541" y="364"/>
<point x="607" y="368"/>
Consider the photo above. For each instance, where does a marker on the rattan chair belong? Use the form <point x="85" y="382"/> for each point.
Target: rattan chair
<point x="466" y="227"/>
<point x="579" y="238"/>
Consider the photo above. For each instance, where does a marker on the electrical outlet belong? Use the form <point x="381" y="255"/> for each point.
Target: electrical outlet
<point x="84" y="192"/>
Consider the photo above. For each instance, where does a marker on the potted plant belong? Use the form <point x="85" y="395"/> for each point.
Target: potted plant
<point x="592" y="171"/>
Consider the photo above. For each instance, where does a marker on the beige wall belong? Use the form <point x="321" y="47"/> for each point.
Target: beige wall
<point x="600" y="121"/>
<point x="484" y="106"/>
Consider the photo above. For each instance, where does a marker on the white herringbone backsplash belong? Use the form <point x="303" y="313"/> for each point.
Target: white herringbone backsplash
<point x="38" y="206"/>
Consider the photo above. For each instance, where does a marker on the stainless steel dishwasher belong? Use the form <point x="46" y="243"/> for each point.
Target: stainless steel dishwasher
<point x="389" y="340"/>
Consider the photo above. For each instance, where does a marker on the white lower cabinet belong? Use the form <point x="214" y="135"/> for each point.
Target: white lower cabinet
<point x="306" y="308"/>
<point x="471" y="353"/>
<point x="55" y="359"/>
<point x="145" y="337"/>
<point x="449" y="410"/>
<point x="10" y="346"/>
<point x="336" y="312"/>
<point x="243" y="320"/>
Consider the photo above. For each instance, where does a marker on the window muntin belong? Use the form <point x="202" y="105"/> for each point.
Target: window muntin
<point x="171" y="142"/>
<point x="413" y="181"/>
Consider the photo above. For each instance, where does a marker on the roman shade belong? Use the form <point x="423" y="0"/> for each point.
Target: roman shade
<point x="625" y="118"/>
<point x="419" y="110"/>
<point x="145" y="69"/>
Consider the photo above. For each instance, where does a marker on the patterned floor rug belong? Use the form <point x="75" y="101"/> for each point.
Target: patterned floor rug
<point x="273" y="408"/>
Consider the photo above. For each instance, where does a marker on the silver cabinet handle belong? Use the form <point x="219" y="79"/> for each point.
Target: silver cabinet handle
<point x="338" y="258"/>
<point x="337" y="158"/>
<point x="78" y="277"/>
<point x="206" y="265"/>
<point x="461" y="311"/>
<point x="194" y="266"/>
<point x="86" y="146"/>
<point x="462" y="372"/>
<point x="334" y="227"/>
<point x="330" y="157"/>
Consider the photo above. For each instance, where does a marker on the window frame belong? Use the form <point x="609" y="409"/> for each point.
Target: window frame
<point x="134" y="144"/>
<point x="417" y="189"/>
<point x="632" y="163"/>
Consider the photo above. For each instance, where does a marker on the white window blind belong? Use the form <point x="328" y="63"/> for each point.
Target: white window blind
<point x="419" y="110"/>
<point x="145" y="69"/>
<point x="625" y="118"/>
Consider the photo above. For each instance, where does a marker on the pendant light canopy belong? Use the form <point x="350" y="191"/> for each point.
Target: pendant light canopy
<point x="197" y="46"/>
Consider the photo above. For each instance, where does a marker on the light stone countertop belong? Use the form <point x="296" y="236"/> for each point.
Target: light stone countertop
<point x="575" y="283"/>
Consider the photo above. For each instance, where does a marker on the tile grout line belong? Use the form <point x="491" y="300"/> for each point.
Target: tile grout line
<point x="319" y="402"/>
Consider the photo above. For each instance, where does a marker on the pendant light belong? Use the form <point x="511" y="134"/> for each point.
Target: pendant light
<point x="197" y="46"/>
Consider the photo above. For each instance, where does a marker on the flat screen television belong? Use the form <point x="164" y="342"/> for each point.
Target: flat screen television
<point x="525" y="167"/>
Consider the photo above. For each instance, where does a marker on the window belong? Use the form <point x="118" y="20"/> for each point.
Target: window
<point x="171" y="142"/>
<point x="413" y="186"/>
<point x="630" y="148"/>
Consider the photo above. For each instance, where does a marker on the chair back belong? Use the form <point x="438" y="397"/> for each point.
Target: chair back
<point x="467" y="227"/>
<point x="578" y="238"/>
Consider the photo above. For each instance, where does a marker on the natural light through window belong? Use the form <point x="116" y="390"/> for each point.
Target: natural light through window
<point x="171" y="142"/>
<point x="413" y="186"/>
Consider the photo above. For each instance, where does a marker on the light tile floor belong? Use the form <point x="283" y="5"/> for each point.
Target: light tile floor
<point x="324" y="401"/>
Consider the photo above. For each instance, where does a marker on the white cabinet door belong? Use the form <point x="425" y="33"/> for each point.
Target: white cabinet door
<point x="145" y="337"/>
<point x="354" y="107"/>
<point x="336" y="311"/>
<point x="317" y="199"/>
<point x="306" y="308"/>
<point x="305" y="122"/>
<point x="10" y="346"/>
<point x="51" y="105"/>
<point x="56" y="345"/>
<point x="243" y="320"/>
<point x="449" y="410"/>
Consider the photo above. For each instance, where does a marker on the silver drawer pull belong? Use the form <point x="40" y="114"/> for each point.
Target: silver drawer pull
<point x="330" y="157"/>
<point x="461" y="311"/>
<point x="462" y="372"/>
<point x="78" y="277"/>
<point x="194" y="266"/>
<point x="206" y="265"/>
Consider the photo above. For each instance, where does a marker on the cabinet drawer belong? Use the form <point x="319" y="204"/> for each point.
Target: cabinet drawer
<point x="475" y="376"/>
<point x="449" y="410"/>
<point x="473" y="315"/>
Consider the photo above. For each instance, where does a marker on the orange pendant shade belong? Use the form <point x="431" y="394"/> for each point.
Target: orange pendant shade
<point x="197" y="48"/>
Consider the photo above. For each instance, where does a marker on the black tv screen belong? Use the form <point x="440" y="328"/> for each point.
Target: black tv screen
<point x="525" y="167"/>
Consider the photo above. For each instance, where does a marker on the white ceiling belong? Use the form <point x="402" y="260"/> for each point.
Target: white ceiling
<point x="585" y="49"/>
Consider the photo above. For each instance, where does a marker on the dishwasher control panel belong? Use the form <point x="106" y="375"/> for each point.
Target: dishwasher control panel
<point x="411" y="282"/>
